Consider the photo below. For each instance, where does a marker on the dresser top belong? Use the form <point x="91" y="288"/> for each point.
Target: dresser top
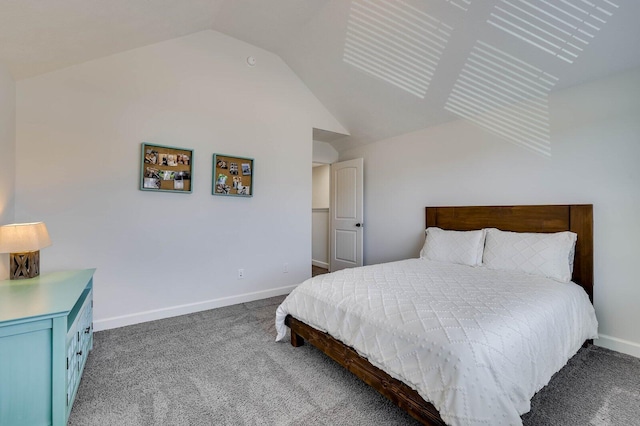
<point x="49" y="294"/>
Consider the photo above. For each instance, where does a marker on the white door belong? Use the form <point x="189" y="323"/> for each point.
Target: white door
<point x="346" y="211"/>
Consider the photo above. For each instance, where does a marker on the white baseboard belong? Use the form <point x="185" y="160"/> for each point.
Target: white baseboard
<point x="174" y="311"/>
<point x="319" y="264"/>
<point x="619" y="345"/>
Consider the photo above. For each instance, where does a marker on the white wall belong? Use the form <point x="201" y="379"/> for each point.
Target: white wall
<point x="595" y="159"/>
<point x="320" y="238"/>
<point x="320" y="193"/>
<point x="7" y="156"/>
<point x="158" y="254"/>
<point x="320" y="216"/>
<point x="323" y="152"/>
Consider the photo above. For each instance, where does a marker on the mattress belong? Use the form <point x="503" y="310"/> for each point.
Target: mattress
<point x="476" y="343"/>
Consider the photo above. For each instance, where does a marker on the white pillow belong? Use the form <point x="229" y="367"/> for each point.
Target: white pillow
<point x="463" y="247"/>
<point x="549" y="255"/>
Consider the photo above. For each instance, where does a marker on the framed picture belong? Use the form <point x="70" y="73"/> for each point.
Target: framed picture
<point x="232" y="176"/>
<point x="166" y="168"/>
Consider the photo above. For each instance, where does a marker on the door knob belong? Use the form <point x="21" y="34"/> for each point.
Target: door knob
<point x="358" y="225"/>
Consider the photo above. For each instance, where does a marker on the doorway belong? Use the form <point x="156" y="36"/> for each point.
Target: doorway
<point x="321" y="176"/>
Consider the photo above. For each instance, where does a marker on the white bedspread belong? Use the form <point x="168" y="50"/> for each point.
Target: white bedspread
<point x="476" y="343"/>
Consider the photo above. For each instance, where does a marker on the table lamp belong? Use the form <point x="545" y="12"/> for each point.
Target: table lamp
<point x="23" y="241"/>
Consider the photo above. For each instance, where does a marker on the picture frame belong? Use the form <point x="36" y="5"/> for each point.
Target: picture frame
<point x="166" y="169"/>
<point x="232" y="176"/>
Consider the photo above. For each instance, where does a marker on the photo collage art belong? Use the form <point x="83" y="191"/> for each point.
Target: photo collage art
<point x="232" y="175"/>
<point x="166" y="168"/>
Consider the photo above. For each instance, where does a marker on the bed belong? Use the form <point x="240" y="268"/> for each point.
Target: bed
<point x="488" y="397"/>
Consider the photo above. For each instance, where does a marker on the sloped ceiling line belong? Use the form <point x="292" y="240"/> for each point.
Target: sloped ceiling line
<point x="563" y="29"/>
<point x="395" y="42"/>
<point x="402" y="45"/>
<point x="509" y="97"/>
<point x="389" y="88"/>
<point x="505" y="96"/>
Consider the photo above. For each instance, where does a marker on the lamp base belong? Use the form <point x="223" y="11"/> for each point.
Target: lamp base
<point x="24" y="265"/>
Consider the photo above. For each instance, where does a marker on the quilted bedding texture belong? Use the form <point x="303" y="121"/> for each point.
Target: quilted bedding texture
<point x="476" y="343"/>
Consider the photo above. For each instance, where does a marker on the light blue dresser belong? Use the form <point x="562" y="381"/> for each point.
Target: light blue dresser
<point x="46" y="333"/>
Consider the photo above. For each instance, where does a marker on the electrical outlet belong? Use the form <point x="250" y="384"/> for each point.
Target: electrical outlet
<point x="240" y="274"/>
<point x="285" y="268"/>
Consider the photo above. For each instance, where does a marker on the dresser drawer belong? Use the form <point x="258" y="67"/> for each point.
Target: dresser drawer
<point x="79" y="342"/>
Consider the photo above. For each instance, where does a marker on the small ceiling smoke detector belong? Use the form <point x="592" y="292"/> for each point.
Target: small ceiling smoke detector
<point x="251" y="61"/>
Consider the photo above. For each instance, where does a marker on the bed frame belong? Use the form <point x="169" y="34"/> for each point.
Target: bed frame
<point x="547" y="218"/>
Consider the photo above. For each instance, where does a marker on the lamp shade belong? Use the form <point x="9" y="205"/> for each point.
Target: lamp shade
<point x="23" y="237"/>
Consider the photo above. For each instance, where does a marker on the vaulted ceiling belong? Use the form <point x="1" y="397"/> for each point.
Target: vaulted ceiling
<point x="382" y="67"/>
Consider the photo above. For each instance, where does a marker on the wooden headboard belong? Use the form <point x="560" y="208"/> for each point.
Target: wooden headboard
<point x="576" y="218"/>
